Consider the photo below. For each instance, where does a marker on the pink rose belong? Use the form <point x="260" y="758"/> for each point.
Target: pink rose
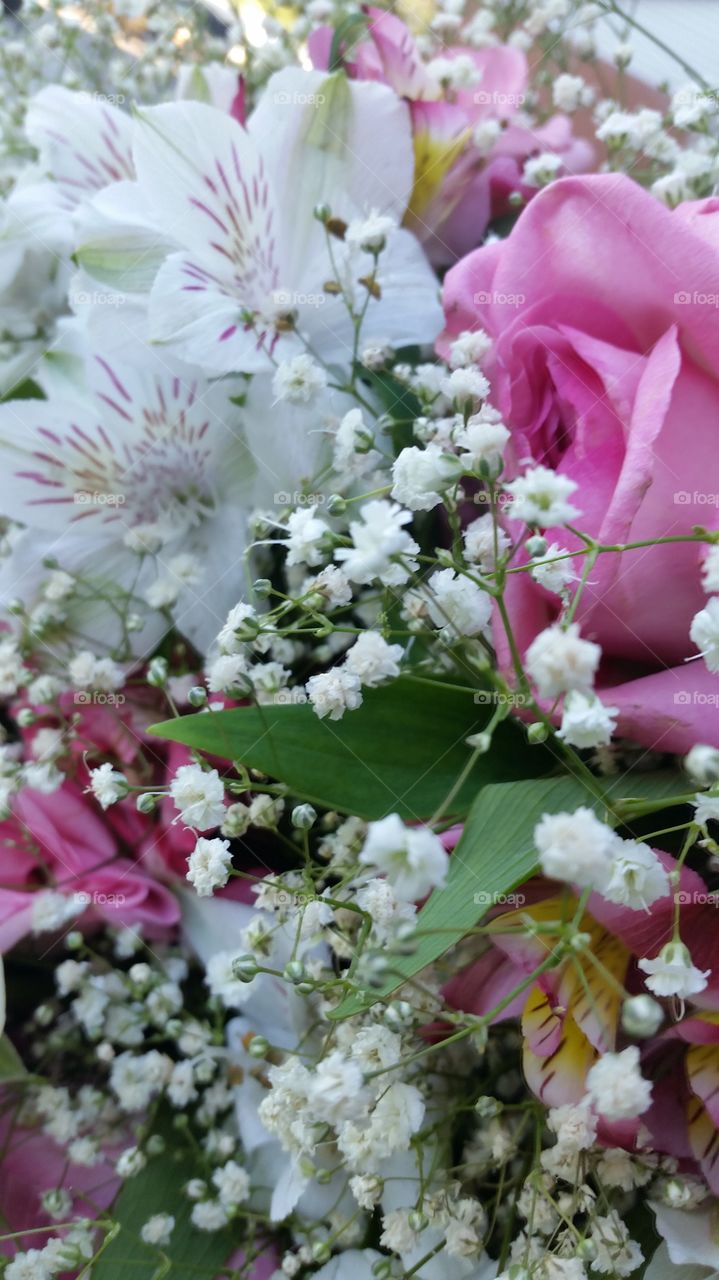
<point x="606" y="337"/>
<point x="459" y="186"/>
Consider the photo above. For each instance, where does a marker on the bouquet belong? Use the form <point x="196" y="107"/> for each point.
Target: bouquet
<point x="359" y="768"/>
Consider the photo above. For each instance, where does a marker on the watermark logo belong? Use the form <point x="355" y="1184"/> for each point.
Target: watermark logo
<point x="297" y="499"/>
<point x="492" y="698"/>
<point x="95" y="298"/>
<point x="495" y="98"/>
<point x="695" y="698"/>
<point x="84" y="498"/>
<point x="286" y="99"/>
<point x="683" y="498"/>
<point x="482" y="498"/>
<point x="683" y="898"/>
<point x="286" y="900"/>
<point x="290" y="698"/>
<point x="84" y="899"/>
<point x="486" y="298"/>
<point x="287" y="300"/>
<point x="689" y="97"/>
<point x="97" y="698"/>
<point x="108" y="99"/>
<point x="499" y="899"/>
<point x="683" y="298"/>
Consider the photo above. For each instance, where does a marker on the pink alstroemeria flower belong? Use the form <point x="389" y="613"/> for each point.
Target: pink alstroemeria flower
<point x="459" y="186"/>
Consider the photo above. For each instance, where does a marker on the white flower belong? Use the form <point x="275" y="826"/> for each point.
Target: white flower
<point x="208" y="866"/>
<point x="158" y="1229"/>
<point x="558" y="661"/>
<point x="575" y="847"/>
<point x="542" y="169"/>
<point x="307" y="535"/>
<point x="299" y="380"/>
<point x="397" y="1116"/>
<point x="616" y="1086"/>
<point x="484" y="540"/>
<point x="617" y="1168"/>
<point x="420" y="476"/>
<point x="107" y="785"/>
<point x="353" y="452"/>
<point x="232" y="1182"/>
<point x="12" y="671"/>
<point x="366" y="1190"/>
<point x="482" y="443"/>
<point x="30" y="1265"/>
<point x="226" y="672"/>
<point x="241" y="619"/>
<point x="222" y="982"/>
<point x="456" y="605"/>
<point x="199" y="795"/>
<point x="397" y="1235"/>
<point x="379" y="538"/>
<point x="69" y="976"/>
<point x="373" y="660"/>
<point x="181" y="1089"/>
<point x="378" y="899"/>
<point x="88" y="672"/>
<point x="702" y="764"/>
<point x="255" y="258"/>
<point x="375" y="1048"/>
<point x="691" y="105"/>
<point x="137" y="1078"/>
<point x="706" y="808"/>
<point x="42" y="777"/>
<point x="575" y="1126"/>
<point x="571" y="92"/>
<point x="671" y="972"/>
<point x="539" y="497"/>
<point x="586" y="721"/>
<point x="333" y="584"/>
<point x="52" y="910"/>
<point x="371" y="233"/>
<point x="209" y="1215"/>
<point x="615" y="1254"/>
<point x="336" y="1092"/>
<point x="485" y="136"/>
<point x="636" y="877"/>
<point x="704" y="631"/>
<point x="551" y="572"/>
<point x="413" y="858"/>
<point x="469" y="348"/>
<point x="334" y="692"/>
<point x="464" y="386"/>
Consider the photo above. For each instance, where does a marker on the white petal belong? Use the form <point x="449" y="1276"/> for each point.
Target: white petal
<point x="197" y="315"/>
<point x="328" y="140"/>
<point x="691" y="1237"/>
<point x="84" y="142"/>
<point x="205" y="180"/>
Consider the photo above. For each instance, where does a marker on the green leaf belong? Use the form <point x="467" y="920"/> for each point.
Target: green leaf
<point x="25" y="390"/>
<point x="401" y="752"/>
<point x="158" y="1188"/>
<point x="11" y="1064"/>
<point x="400" y="404"/>
<point x="495" y="854"/>
<point x="348" y="32"/>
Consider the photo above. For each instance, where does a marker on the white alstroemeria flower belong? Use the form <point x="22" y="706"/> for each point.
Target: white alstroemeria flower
<point x="125" y="471"/>
<point x="247" y="258"/>
<point x="84" y="142"/>
<point x="137" y="449"/>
